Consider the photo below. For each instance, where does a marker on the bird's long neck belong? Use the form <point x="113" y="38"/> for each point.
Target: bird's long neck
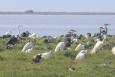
<point x="106" y="29"/>
<point x="103" y="40"/>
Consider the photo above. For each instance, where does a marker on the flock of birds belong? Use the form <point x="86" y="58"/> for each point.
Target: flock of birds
<point x="61" y="46"/>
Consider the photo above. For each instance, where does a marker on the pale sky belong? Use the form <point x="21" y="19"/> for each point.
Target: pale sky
<point x="58" y="5"/>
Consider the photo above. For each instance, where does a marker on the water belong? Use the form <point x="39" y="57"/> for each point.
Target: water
<point x="55" y="25"/>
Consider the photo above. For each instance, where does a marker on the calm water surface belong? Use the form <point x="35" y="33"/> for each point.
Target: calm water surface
<point x="55" y="25"/>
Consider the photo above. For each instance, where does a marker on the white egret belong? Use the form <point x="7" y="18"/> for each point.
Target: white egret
<point x="60" y="47"/>
<point x="75" y="40"/>
<point x="46" y="55"/>
<point x="33" y="35"/>
<point x="97" y="46"/>
<point x="28" y="47"/>
<point x="79" y="47"/>
<point x="81" y="55"/>
<point x="113" y="50"/>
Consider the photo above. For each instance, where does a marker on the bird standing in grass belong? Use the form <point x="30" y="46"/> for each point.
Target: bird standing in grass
<point x="79" y="47"/>
<point x="113" y="50"/>
<point x="60" y="47"/>
<point x="28" y="47"/>
<point x="46" y="55"/>
<point x="11" y="41"/>
<point x="81" y="55"/>
<point x="36" y="58"/>
<point x="97" y="46"/>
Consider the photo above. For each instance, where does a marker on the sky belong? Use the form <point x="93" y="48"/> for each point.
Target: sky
<point x="58" y="5"/>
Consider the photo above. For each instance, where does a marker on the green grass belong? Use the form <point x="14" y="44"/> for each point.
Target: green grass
<point x="16" y="64"/>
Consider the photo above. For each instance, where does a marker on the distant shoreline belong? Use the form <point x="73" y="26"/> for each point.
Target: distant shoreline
<point x="57" y="13"/>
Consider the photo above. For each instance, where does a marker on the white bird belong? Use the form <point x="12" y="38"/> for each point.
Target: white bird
<point x="46" y="55"/>
<point x="7" y="33"/>
<point x="113" y="50"/>
<point x="79" y="47"/>
<point x="86" y="36"/>
<point x="97" y="46"/>
<point x="33" y="35"/>
<point x="60" y="47"/>
<point x="28" y="47"/>
<point x="105" y="36"/>
<point x="74" y="40"/>
<point x="81" y="55"/>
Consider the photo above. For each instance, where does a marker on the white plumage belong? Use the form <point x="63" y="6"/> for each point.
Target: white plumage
<point x="27" y="48"/>
<point x="60" y="47"/>
<point x="75" y="40"/>
<point x="46" y="55"/>
<point x="105" y="36"/>
<point x="113" y="50"/>
<point x="97" y="46"/>
<point x="33" y="35"/>
<point x="81" y="55"/>
<point x="79" y="47"/>
<point x="8" y="33"/>
<point x="86" y="36"/>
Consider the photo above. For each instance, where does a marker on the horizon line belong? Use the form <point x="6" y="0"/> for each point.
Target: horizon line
<point x="31" y="12"/>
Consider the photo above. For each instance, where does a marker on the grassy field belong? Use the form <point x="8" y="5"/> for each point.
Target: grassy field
<point x="16" y="64"/>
